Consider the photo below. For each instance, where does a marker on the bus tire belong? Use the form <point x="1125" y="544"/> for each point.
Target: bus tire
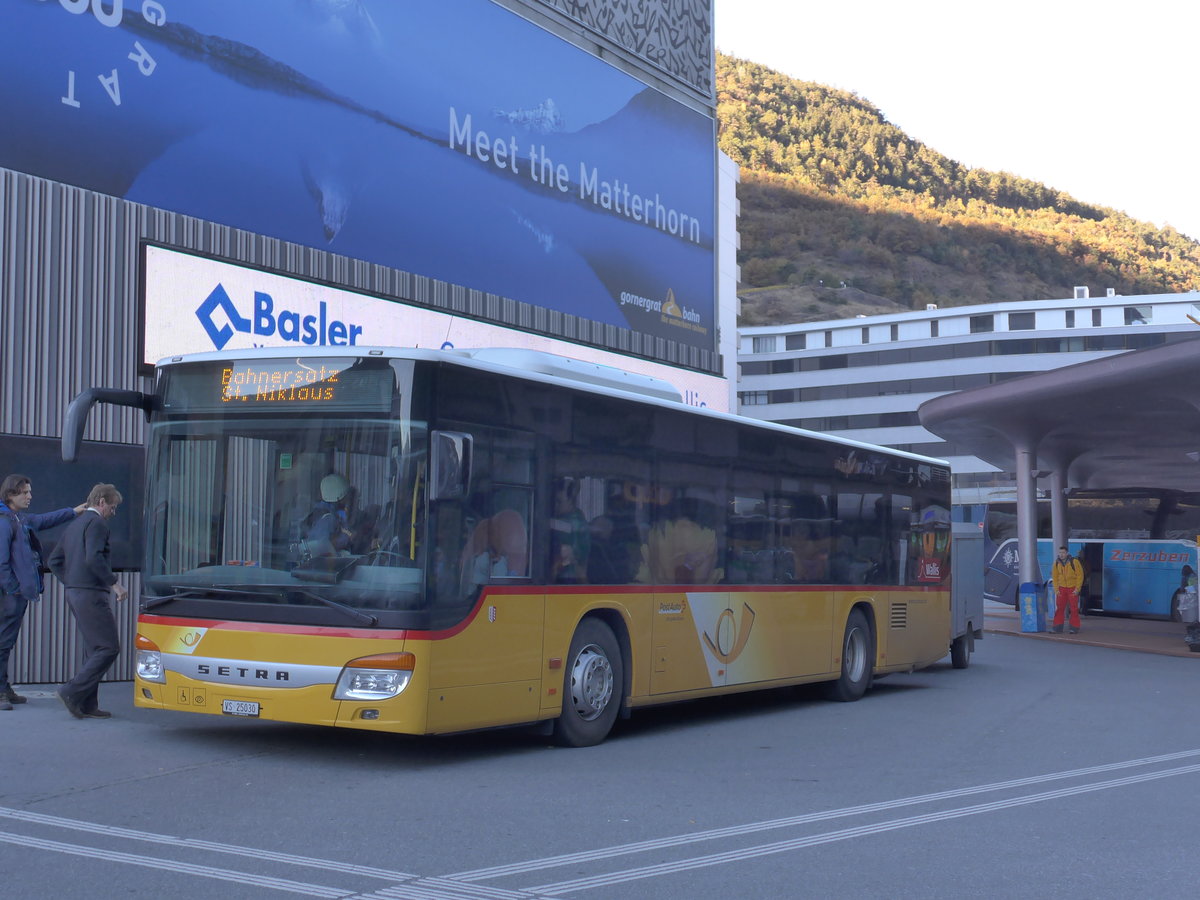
<point x="858" y="659"/>
<point x="592" y="686"/>
<point x="960" y="651"/>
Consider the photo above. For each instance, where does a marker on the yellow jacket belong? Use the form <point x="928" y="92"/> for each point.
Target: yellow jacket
<point x="1068" y="574"/>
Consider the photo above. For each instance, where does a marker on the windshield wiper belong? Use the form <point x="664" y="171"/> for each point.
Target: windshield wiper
<point x="281" y="592"/>
<point x="152" y="602"/>
<point x="365" y="618"/>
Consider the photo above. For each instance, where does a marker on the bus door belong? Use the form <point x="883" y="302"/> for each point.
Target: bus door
<point x="486" y="668"/>
<point x="1091" y="554"/>
<point x="683" y="556"/>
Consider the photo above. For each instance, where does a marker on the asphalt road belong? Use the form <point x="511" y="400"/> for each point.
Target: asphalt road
<point x="1042" y="770"/>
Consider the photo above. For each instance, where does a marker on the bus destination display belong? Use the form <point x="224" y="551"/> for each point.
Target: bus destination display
<point x="291" y="385"/>
<point x="274" y="383"/>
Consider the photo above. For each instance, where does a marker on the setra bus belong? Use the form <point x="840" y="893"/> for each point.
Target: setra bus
<point x="426" y="542"/>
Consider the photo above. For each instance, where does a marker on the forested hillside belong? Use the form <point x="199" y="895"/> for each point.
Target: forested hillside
<point x="834" y="194"/>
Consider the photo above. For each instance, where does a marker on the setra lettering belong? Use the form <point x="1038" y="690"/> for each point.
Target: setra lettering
<point x="243" y="673"/>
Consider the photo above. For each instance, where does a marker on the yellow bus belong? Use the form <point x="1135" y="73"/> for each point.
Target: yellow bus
<point x="427" y="542"/>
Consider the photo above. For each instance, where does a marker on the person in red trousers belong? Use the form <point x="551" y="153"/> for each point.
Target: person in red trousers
<point x="1067" y="576"/>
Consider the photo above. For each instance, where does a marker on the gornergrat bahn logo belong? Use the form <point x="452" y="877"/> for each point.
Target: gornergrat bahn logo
<point x="668" y="310"/>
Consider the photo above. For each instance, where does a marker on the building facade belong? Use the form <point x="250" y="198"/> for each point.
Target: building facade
<point x="248" y="138"/>
<point x="864" y="378"/>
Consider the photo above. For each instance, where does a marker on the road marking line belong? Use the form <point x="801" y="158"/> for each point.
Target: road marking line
<point x="475" y="890"/>
<point x="444" y="889"/>
<point x="458" y="887"/>
<point x="699" y="862"/>
<point x="193" y="844"/>
<point x="808" y="818"/>
<point x="280" y="884"/>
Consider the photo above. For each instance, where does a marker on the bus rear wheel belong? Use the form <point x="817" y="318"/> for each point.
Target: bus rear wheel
<point x="960" y="651"/>
<point x="858" y="657"/>
<point x="592" y="686"/>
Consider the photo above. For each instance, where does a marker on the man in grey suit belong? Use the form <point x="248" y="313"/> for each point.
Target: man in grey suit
<point x="81" y="562"/>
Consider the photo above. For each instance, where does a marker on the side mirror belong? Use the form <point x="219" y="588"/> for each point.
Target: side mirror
<point x="451" y="469"/>
<point x="77" y="413"/>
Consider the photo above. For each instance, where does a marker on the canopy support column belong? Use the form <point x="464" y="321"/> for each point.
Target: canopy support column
<point x="1058" y="508"/>
<point x="1026" y="461"/>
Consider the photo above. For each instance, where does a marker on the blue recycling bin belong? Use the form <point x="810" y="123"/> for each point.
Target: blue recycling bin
<point x="1032" y="599"/>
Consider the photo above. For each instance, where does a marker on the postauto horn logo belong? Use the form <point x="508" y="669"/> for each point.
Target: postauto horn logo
<point x="221" y="317"/>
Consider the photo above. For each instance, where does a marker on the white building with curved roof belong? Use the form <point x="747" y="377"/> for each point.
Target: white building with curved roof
<point x="863" y="378"/>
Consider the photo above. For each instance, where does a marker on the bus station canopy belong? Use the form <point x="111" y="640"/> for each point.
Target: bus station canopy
<point x="1124" y="421"/>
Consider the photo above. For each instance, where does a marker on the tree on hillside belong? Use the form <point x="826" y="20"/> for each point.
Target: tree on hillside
<point x="829" y="185"/>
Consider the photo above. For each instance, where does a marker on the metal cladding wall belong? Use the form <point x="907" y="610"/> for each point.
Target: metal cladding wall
<point x="69" y="264"/>
<point x="68" y="271"/>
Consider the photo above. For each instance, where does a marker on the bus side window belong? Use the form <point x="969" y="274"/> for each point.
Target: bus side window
<point x="760" y="534"/>
<point x="570" y="535"/>
<point x="497" y="548"/>
<point x="686" y="541"/>
<point x="485" y="536"/>
<point x="811" y="546"/>
<point x="804" y="524"/>
<point x="616" y="537"/>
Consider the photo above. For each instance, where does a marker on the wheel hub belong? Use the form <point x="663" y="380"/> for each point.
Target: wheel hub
<point x="856" y="654"/>
<point x="591" y="683"/>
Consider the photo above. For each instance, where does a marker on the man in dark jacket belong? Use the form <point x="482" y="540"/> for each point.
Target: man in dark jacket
<point x="20" y="566"/>
<point x="80" y="561"/>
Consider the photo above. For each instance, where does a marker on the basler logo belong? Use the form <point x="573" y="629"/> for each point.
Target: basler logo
<point x="221" y="318"/>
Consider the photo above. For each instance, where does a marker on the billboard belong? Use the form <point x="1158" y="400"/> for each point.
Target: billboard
<point x="449" y="138"/>
<point x="194" y="304"/>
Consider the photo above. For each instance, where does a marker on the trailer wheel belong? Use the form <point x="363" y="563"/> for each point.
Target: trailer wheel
<point x="592" y="686"/>
<point x="960" y="651"/>
<point x="858" y="657"/>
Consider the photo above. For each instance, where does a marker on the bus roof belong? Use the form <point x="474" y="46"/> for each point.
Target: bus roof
<point x="547" y="368"/>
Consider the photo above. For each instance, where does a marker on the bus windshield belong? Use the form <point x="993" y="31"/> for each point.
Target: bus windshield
<point x="271" y="515"/>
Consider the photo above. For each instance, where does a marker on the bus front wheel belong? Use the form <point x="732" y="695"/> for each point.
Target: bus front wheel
<point x="858" y="656"/>
<point x="592" y="686"/>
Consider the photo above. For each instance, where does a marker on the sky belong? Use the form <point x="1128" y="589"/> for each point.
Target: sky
<point x="1099" y="99"/>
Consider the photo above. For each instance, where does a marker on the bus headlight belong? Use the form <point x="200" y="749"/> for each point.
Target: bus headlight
<point x="148" y="661"/>
<point x="375" y="677"/>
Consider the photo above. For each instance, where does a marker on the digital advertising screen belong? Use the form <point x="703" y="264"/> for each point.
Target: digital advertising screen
<point x="449" y="138"/>
<point x="196" y="304"/>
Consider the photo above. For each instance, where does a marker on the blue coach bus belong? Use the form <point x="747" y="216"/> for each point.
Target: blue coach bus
<point x="1138" y="548"/>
